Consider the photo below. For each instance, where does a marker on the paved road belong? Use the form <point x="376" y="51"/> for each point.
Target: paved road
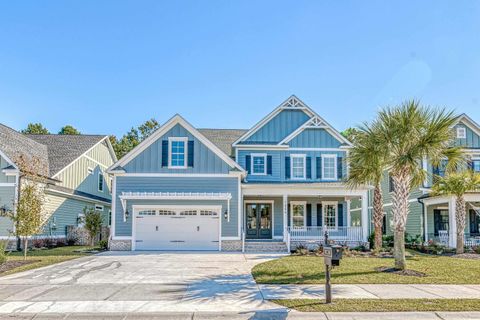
<point x="131" y="282"/>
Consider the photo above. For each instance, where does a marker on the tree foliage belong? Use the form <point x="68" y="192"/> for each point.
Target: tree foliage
<point x="350" y="133"/>
<point x="69" y="130"/>
<point x="132" y="138"/>
<point x="458" y="184"/>
<point x="35" y="128"/>
<point x="93" y="223"/>
<point x="407" y="134"/>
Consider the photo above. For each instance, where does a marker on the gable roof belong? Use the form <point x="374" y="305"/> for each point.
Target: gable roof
<point x="294" y="103"/>
<point x="469" y="122"/>
<point x="65" y="149"/>
<point x="177" y="119"/>
<point x="223" y="138"/>
<point x="13" y="144"/>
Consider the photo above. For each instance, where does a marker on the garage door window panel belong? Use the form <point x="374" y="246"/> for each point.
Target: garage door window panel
<point x="147" y="213"/>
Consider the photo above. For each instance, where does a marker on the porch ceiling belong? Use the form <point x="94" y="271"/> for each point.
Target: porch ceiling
<point x="301" y="189"/>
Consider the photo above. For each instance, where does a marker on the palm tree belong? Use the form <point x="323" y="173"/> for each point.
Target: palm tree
<point x="367" y="164"/>
<point x="408" y="134"/>
<point x="458" y="184"/>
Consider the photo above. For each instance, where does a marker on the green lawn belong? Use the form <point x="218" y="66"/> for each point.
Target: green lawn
<point x="45" y="257"/>
<point x="375" y="305"/>
<point x="310" y="270"/>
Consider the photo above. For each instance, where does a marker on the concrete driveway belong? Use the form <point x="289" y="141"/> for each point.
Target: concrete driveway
<point x="138" y="282"/>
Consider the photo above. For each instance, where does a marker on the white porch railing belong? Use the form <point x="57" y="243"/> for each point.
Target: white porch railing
<point x="443" y="238"/>
<point x="317" y="233"/>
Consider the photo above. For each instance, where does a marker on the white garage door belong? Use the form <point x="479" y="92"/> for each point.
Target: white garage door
<point x="177" y="228"/>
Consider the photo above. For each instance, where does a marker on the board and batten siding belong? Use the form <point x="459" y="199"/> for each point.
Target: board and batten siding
<point x="279" y="127"/>
<point x="150" y="159"/>
<point x="77" y="176"/>
<point x="314" y="138"/>
<point x="64" y="212"/>
<point x="278" y="164"/>
<point x="177" y="184"/>
<point x="471" y="141"/>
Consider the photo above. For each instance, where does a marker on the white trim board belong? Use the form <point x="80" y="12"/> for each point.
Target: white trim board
<point x="4" y="156"/>
<point x="74" y="196"/>
<point x="469" y="122"/>
<point x="177" y="119"/>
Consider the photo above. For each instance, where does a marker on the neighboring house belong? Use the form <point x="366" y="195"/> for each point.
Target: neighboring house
<point x="433" y="217"/>
<point x="74" y="166"/>
<point x="281" y="182"/>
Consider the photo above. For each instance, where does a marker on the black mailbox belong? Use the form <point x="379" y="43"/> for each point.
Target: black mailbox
<point x="332" y="255"/>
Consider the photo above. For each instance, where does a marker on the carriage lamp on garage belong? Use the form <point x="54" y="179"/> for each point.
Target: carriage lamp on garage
<point x="127" y="214"/>
<point x="225" y="214"/>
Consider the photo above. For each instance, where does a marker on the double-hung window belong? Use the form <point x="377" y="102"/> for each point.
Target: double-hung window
<point x="298" y="213"/>
<point x="330" y="216"/>
<point x="259" y="164"/>
<point x="329" y="166"/>
<point x="177" y="150"/>
<point x="298" y="168"/>
<point x="461" y="133"/>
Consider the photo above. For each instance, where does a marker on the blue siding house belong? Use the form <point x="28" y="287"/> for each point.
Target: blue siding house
<point x="279" y="183"/>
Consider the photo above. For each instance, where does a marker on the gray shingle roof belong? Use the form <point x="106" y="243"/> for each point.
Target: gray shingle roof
<point x="64" y="149"/>
<point x="223" y="138"/>
<point x="15" y="144"/>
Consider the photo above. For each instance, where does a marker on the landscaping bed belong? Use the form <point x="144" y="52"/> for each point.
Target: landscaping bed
<point x="40" y="258"/>
<point x="377" y="305"/>
<point x="426" y="269"/>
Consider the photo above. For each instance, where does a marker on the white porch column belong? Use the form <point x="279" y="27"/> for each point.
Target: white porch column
<point x="365" y="215"/>
<point x="349" y="217"/>
<point x="285" y="216"/>
<point x="425" y="221"/>
<point x="452" y="223"/>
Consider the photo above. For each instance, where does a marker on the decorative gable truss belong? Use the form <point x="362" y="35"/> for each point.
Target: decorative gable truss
<point x="314" y="122"/>
<point x="317" y="122"/>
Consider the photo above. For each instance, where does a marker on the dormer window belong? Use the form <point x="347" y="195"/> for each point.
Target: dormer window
<point x="259" y="164"/>
<point x="177" y="152"/>
<point x="461" y="133"/>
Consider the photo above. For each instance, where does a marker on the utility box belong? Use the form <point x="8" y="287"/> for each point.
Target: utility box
<point x="332" y="255"/>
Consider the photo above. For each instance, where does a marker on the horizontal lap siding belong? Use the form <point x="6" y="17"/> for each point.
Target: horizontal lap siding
<point x="64" y="212"/>
<point x="278" y="164"/>
<point x="279" y="127"/>
<point x="7" y="198"/>
<point x="178" y="184"/>
<point x="150" y="160"/>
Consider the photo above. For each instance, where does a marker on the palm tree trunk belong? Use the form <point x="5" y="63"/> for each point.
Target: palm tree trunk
<point x="400" y="213"/>
<point x="460" y="216"/>
<point x="378" y="216"/>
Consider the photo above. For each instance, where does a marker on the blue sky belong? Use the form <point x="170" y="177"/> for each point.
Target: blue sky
<point x="105" y="66"/>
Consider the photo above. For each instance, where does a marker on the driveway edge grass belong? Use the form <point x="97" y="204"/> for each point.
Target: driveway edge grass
<point x="381" y="305"/>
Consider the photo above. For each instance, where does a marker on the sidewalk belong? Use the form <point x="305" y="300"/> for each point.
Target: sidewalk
<point x="264" y="315"/>
<point x="372" y="291"/>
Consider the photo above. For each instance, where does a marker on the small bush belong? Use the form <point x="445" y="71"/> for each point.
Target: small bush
<point x="61" y="243"/>
<point x="38" y="243"/>
<point x="3" y="251"/>
<point x="319" y="251"/>
<point x="103" y="244"/>
<point x="301" y="250"/>
<point x="50" y="242"/>
<point x="476" y="249"/>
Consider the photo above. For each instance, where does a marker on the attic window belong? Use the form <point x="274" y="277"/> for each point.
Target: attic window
<point x="177" y="152"/>
<point x="98" y="207"/>
<point x="461" y="133"/>
<point x="90" y="170"/>
<point x="100" y="182"/>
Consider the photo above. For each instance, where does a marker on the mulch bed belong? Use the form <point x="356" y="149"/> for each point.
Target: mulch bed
<point x="12" y="264"/>
<point x="410" y="273"/>
<point x="467" y="256"/>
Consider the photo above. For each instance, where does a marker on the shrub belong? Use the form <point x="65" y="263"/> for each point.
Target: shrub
<point x="301" y="250"/>
<point x="319" y="251"/>
<point x="61" y="243"/>
<point x="103" y="244"/>
<point x="38" y="243"/>
<point x="3" y="253"/>
<point x="476" y="249"/>
<point x="50" y="242"/>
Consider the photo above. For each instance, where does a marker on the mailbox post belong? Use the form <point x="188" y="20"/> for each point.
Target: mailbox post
<point x="332" y="256"/>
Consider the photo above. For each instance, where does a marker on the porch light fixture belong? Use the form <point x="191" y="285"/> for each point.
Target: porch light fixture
<point x="127" y="214"/>
<point x="3" y="210"/>
<point x="225" y="214"/>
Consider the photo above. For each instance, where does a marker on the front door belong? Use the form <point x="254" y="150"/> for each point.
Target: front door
<point x="258" y="220"/>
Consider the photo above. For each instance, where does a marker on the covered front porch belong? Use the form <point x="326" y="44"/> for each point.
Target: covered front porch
<point x="441" y="225"/>
<point x="302" y="214"/>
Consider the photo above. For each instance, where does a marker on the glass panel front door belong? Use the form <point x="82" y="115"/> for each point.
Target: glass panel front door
<point x="258" y="221"/>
